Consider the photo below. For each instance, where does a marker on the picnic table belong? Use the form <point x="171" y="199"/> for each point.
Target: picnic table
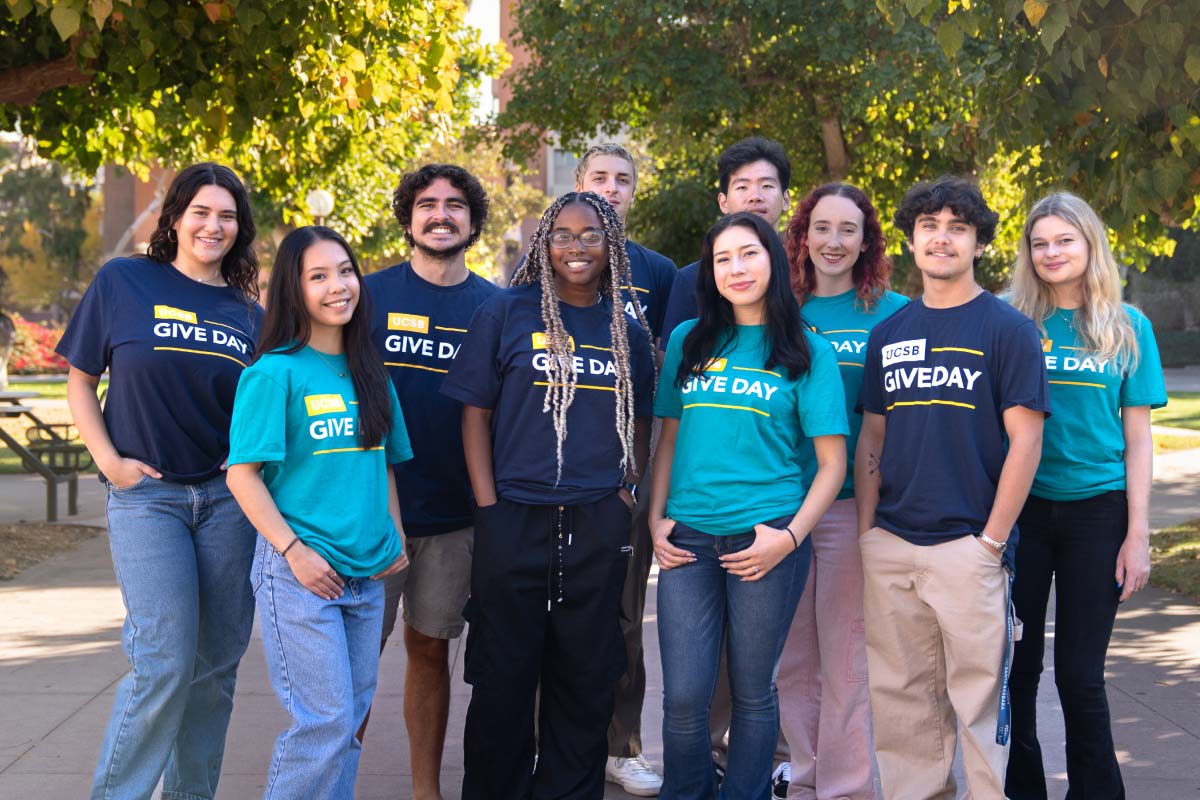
<point x="54" y="451"/>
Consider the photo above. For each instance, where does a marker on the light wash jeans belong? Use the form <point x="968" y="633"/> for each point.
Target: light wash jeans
<point x="323" y="656"/>
<point x="697" y="602"/>
<point x="182" y="556"/>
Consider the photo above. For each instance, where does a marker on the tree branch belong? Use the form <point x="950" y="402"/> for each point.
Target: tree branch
<point x="22" y="86"/>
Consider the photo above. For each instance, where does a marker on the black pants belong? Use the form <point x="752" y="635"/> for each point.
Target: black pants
<point x="1077" y="543"/>
<point x="545" y="609"/>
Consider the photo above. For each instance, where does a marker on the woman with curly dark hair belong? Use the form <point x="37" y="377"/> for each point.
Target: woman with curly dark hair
<point x="174" y="329"/>
<point x="840" y="276"/>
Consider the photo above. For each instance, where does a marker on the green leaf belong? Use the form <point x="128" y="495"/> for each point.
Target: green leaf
<point x="1191" y="64"/>
<point x="65" y="20"/>
<point x="19" y="8"/>
<point x="147" y="76"/>
<point x="950" y="37"/>
<point x="1136" y="6"/>
<point x="1034" y="11"/>
<point x="100" y="10"/>
<point x="1054" y="24"/>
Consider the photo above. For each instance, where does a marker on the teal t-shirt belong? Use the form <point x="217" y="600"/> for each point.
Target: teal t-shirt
<point x="843" y="322"/>
<point x="1083" y="444"/>
<point x="742" y="429"/>
<point x="296" y="416"/>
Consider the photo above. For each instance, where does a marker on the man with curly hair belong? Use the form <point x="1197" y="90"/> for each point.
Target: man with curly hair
<point x="422" y="309"/>
<point x="953" y="399"/>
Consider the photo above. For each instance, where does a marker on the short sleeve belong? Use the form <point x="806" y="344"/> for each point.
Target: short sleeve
<point x="1144" y="386"/>
<point x="870" y="394"/>
<point x="668" y="401"/>
<point x="87" y="342"/>
<point x="474" y="376"/>
<point x="1021" y="370"/>
<point x="258" y="431"/>
<point x="681" y="305"/>
<point x="820" y="399"/>
<point x="397" y="447"/>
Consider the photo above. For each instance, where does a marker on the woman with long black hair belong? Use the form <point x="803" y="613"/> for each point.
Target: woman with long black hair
<point x="743" y="388"/>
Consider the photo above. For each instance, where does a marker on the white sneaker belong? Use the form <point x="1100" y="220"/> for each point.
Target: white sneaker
<point x="634" y="775"/>
<point x="780" y="780"/>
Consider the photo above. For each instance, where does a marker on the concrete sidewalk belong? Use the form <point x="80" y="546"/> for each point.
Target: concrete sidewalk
<point x="60" y="659"/>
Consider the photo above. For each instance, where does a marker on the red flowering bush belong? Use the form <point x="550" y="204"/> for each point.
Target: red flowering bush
<point x="33" y="348"/>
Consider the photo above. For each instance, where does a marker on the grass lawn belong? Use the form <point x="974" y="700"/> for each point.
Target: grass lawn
<point x="1182" y="411"/>
<point x="56" y="389"/>
<point x="1175" y="559"/>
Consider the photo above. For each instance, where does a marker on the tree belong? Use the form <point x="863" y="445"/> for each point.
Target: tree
<point x="1114" y="86"/>
<point x="49" y="234"/>
<point x="687" y="78"/>
<point x="292" y="94"/>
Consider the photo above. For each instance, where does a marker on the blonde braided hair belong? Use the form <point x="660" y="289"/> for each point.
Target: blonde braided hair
<point x="561" y="378"/>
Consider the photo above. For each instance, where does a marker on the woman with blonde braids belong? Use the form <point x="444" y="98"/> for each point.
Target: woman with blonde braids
<point x="556" y="383"/>
<point x="1086" y="522"/>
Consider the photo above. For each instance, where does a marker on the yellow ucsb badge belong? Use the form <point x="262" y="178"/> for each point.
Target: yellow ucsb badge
<point x="412" y="323"/>
<point x="170" y="312"/>
<point x="539" y="341"/>
<point x="1047" y="345"/>
<point x="715" y="365"/>
<point x="324" y="404"/>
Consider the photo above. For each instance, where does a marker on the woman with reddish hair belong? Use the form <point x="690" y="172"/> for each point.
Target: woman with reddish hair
<point x="840" y="276"/>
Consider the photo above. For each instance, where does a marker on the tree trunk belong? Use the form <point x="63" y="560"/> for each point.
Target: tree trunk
<point x="22" y="86"/>
<point x="837" y="159"/>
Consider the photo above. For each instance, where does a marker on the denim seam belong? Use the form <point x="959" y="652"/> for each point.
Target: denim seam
<point x="128" y="710"/>
<point x="183" y="796"/>
<point x="281" y="746"/>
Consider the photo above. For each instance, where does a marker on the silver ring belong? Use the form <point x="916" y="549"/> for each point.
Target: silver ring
<point x="756" y="570"/>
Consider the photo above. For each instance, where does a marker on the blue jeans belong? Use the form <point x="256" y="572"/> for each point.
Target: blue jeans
<point x="323" y="657"/>
<point x="181" y="553"/>
<point x="697" y="604"/>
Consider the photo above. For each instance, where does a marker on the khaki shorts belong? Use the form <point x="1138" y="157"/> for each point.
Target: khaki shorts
<point x="435" y="586"/>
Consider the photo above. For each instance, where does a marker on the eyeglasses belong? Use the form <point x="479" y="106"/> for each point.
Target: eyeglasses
<point x="562" y="239"/>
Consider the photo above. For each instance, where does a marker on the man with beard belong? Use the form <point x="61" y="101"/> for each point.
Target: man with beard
<point x="421" y="312"/>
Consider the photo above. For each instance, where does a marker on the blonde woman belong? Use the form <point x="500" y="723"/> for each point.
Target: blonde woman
<point x="1086" y="520"/>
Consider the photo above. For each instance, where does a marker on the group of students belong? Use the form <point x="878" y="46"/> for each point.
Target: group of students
<point x="833" y="496"/>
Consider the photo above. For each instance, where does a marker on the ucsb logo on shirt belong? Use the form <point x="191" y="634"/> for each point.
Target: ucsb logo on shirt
<point x="414" y="337"/>
<point x="321" y="404"/>
<point x="176" y="323"/>
<point x="910" y="350"/>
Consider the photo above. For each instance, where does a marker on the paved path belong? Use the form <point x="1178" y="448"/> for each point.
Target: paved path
<point x="60" y="660"/>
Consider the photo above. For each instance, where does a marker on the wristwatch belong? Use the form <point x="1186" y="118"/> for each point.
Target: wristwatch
<point x="631" y="488"/>
<point x="999" y="547"/>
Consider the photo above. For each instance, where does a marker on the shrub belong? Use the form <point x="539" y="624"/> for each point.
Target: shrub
<point x="33" y="348"/>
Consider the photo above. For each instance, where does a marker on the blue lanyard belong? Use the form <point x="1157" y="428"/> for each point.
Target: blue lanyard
<point x="1004" y="716"/>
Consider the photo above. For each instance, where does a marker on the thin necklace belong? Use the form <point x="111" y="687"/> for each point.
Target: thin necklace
<point x="1067" y="318"/>
<point x="331" y="366"/>
<point x="209" y="280"/>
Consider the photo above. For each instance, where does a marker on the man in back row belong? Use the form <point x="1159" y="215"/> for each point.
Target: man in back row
<point x="609" y="170"/>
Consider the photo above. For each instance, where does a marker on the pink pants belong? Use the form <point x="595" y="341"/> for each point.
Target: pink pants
<point x="824" y="701"/>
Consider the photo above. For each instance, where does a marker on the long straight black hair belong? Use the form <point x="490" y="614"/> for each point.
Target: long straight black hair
<point x="286" y="329"/>
<point x="715" y="331"/>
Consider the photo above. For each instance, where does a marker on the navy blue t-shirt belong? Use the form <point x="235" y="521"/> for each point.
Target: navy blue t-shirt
<point x="175" y="349"/>
<point x="418" y="328"/>
<point x="682" y="305"/>
<point x="653" y="276"/>
<point x="943" y="378"/>
<point x="501" y="366"/>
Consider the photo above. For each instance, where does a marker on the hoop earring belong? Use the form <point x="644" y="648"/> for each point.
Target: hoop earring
<point x="171" y="237"/>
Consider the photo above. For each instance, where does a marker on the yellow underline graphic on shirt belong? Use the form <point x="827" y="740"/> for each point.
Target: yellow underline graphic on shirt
<point x="956" y="350"/>
<point x="223" y="325"/>
<point x="578" y="386"/>
<point x="764" y="371"/>
<point x="346" y="450"/>
<point x="201" y="353"/>
<point x="721" y="405"/>
<point x="850" y="364"/>
<point x="1078" y="383"/>
<point x="442" y="328"/>
<point x="847" y="330"/>
<point x="1064" y="347"/>
<point x="595" y="347"/>
<point x="637" y="289"/>
<point x="414" y="366"/>
<point x="930" y="403"/>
